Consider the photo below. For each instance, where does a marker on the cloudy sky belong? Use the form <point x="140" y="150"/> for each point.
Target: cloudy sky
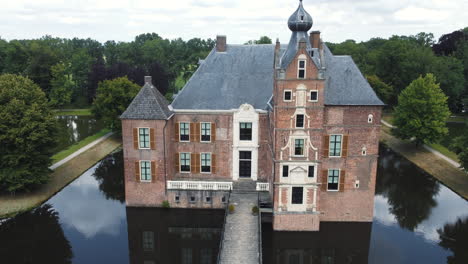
<point x="240" y="20"/>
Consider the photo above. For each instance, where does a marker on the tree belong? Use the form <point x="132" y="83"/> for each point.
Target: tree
<point x="455" y="238"/>
<point x="61" y="86"/>
<point x="261" y="40"/>
<point x="449" y="71"/>
<point x="27" y="134"/>
<point x="109" y="174"/>
<point x="41" y="59"/>
<point x="422" y="111"/>
<point x="460" y="146"/>
<point x="112" y="98"/>
<point x="384" y="91"/>
<point x="80" y="66"/>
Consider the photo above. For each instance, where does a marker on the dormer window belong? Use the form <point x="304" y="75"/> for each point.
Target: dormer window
<point x="301" y="70"/>
<point x="302" y="18"/>
<point x="299" y="121"/>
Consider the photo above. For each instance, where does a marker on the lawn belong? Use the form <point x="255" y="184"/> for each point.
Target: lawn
<point x="74" y="112"/>
<point x="66" y="152"/>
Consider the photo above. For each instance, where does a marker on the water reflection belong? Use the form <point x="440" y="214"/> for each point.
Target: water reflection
<point x="75" y="128"/>
<point x="410" y="192"/>
<point x="110" y="176"/>
<point x="334" y="243"/>
<point x="173" y="235"/>
<point x="34" y="237"/>
<point x="455" y="237"/>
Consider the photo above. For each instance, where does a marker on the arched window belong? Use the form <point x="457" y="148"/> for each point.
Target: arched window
<point x="370" y="118"/>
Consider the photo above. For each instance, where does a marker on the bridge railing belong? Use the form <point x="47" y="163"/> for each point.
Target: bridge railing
<point x="199" y="185"/>
<point x="263" y="186"/>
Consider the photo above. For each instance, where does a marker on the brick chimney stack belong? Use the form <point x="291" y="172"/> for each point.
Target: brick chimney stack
<point x="315" y="39"/>
<point x="221" y="43"/>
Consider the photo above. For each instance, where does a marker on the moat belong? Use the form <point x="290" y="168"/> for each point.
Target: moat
<point x="416" y="220"/>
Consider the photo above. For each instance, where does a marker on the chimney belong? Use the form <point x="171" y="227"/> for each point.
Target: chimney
<point x="315" y="39"/>
<point x="302" y="44"/>
<point x="221" y="43"/>
<point x="277" y="47"/>
<point x="148" y="80"/>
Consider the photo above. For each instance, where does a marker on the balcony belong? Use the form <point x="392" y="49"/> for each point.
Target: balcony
<point x="199" y="185"/>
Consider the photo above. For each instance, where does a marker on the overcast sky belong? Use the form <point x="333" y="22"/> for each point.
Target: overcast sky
<point x="240" y="20"/>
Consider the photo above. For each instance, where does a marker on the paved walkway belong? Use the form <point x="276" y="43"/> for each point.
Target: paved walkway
<point x="81" y="150"/>
<point x="241" y="231"/>
<point x="437" y="153"/>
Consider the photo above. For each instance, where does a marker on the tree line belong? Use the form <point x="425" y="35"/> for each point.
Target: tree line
<point x="69" y="70"/>
<point x="390" y="65"/>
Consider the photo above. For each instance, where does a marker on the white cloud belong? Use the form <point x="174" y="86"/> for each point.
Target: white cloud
<point x="240" y="20"/>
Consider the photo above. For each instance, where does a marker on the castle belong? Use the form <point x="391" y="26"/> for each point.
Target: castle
<point x="301" y="124"/>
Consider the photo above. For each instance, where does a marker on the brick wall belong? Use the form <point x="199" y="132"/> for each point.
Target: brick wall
<point x="296" y="222"/>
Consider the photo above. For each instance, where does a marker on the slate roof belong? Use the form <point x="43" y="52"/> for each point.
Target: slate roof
<point x="345" y="84"/>
<point x="148" y="104"/>
<point x="226" y="80"/>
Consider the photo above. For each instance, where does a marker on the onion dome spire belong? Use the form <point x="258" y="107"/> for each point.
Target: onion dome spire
<point x="300" y="20"/>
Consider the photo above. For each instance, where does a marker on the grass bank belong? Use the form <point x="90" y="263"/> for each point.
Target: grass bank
<point x="452" y="177"/>
<point x="66" y="152"/>
<point x="74" y="112"/>
<point x="11" y="205"/>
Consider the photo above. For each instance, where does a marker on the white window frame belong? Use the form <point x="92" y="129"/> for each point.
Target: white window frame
<point x="148" y="238"/>
<point x="141" y="171"/>
<point x="341" y="146"/>
<point x="370" y="118"/>
<point x="251" y="131"/>
<point x="294" y="148"/>
<point x="339" y="176"/>
<point x="305" y="68"/>
<point x="284" y="96"/>
<point x="180" y="132"/>
<point x="149" y="138"/>
<point x="190" y="162"/>
<point x="304" y="196"/>
<point x="315" y="171"/>
<point x="201" y="160"/>
<point x="282" y="170"/>
<point x="201" y="129"/>
<point x="310" y="95"/>
<point x="303" y="121"/>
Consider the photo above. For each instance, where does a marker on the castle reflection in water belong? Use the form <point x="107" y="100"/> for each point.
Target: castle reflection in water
<point x="188" y="236"/>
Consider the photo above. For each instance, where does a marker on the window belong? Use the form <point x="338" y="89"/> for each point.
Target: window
<point x="223" y="199"/>
<point x="311" y="172"/>
<point x="192" y="199"/>
<point x="356" y="184"/>
<point x="184" y="132"/>
<point x="300" y="121"/>
<point x="335" y="145"/>
<point x="208" y="199"/>
<point x="245" y="160"/>
<point x="299" y="147"/>
<point x="145" y="170"/>
<point x="185" y="162"/>
<point x="205" y="132"/>
<point x="364" y="151"/>
<point x="177" y="198"/>
<point x="314" y="96"/>
<point x="285" y="170"/>
<point x="205" y="162"/>
<point x="148" y="240"/>
<point x="144" y="138"/>
<point x="245" y="131"/>
<point x="287" y="96"/>
<point x="206" y="256"/>
<point x="297" y="195"/>
<point x="370" y="119"/>
<point x="333" y="177"/>
<point x="187" y="256"/>
<point x="301" y="69"/>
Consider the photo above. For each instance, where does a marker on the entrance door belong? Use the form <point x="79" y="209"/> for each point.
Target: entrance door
<point x="245" y="164"/>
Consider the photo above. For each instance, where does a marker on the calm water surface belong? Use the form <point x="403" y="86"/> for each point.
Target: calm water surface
<point x="75" y="128"/>
<point x="417" y="220"/>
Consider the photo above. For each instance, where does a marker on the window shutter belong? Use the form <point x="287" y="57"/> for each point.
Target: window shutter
<point x="324" y="180"/>
<point x="177" y="163"/>
<point x="342" y="180"/>
<point x="326" y="146"/>
<point x="193" y="162"/>
<point x="137" y="171"/>
<point x="197" y="162"/>
<point x="153" y="171"/>
<point x="344" y="152"/>
<point x="177" y="132"/>
<point x="213" y="132"/>
<point x="213" y="162"/>
<point x="135" y="138"/>
<point x="192" y="132"/>
<point x="197" y="132"/>
<point x="152" y="139"/>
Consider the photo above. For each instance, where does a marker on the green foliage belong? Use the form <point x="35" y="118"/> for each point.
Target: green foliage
<point x="231" y="208"/>
<point x="384" y="91"/>
<point x="255" y="210"/>
<point x="27" y="134"/>
<point x="61" y="86"/>
<point x="449" y="72"/>
<point x="460" y="146"/>
<point x="422" y="111"/>
<point x="165" y="204"/>
<point x="112" y="98"/>
<point x="261" y="40"/>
